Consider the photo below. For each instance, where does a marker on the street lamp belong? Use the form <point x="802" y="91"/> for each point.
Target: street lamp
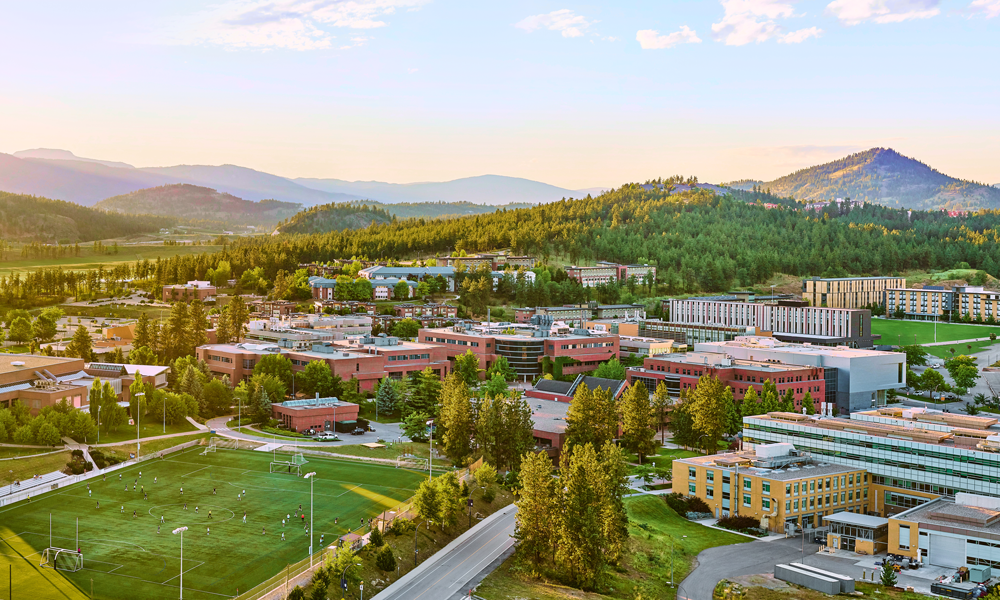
<point x="310" y="476"/>
<point x="343" y="580"/>
<point x="137" y="425"/>
<point x="415" y="531"/>
<point x="181" y="531"/>
<point x="98" y="423"/>
<point x="430" y="469"/>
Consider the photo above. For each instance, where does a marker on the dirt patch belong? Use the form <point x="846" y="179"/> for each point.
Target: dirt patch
<point x="764" y="580"/>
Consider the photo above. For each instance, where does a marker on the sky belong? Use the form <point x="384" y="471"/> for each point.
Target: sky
<point x="575" y="94"/>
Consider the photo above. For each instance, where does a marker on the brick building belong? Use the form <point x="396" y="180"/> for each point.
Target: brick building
<point x="319" y="414"/>
<point x="192" y="290"/>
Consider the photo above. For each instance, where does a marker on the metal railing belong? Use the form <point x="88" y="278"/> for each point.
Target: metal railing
<point x="279" y="586"/>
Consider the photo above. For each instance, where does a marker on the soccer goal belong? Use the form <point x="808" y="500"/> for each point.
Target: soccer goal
<point x="62" y="559"/>
<point x="211" y="447"/>
<point x="409" y="461"/>
<point x="286" y="466"/>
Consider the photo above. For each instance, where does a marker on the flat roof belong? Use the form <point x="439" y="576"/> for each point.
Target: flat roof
<point x="548" y="415"/>
<point x="856" y="519"/>
<point x="516" y="336"/>
<point x="767" y="343"/>
<point x="31" y="362"/>
<point x="945" y="512"/>
<point x="806" y="468"/>
<point x="715" y="359"/>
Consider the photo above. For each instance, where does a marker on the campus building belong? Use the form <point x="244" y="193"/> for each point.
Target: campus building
<point x="526" y="348"/>
<point x="415" y="273"/>
<point x="578" y="315"/>
<point x="691" y="334"/>
<point x="855" y="379"/>
<point x="958" y="531"/>
<point x="367" y="359"/>
<point x="928" y="303"/>
<point x="188" y="292"/>
<point x="681" y="372"/>
<point x="848" y="292"/>
<point x="777" y="484"/>
<point x="382" y="288"/>
<point x="604" y="272"/>
<point x="430" y="309"/>
<point x="490" y="261"/>
<point x="319" y="414"/>
<point x="909" y="460"/>
<point x="644" y="346"/>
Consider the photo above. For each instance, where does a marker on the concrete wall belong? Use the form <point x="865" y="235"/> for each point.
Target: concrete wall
<point x="807" y="579"/>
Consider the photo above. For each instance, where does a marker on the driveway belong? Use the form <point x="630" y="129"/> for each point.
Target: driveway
<point x="724" y="562"/>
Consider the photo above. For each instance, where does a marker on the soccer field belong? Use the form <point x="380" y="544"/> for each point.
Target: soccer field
<point x="125" y="556"/>
<point x="894" y="331"/>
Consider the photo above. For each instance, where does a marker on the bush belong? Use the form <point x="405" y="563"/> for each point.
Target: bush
<point x="77" y="453"/>
<point x="385" y="559"/>
<point x="400" y="527"/>
<point x="738" y="523"/>
<point x="696" y="504"/>
<point x="489" y="495"/>
<point x="376" y="539"/>
<point x="688" y="506"/>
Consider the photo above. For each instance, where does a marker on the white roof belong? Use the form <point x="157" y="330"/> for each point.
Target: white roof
<point x="849" y="518"/>
<point x="144" y="370"/>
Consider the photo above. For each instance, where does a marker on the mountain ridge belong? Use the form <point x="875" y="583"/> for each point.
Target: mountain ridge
<point x="189" y="201"/>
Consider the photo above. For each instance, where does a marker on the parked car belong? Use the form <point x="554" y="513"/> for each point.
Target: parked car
<point x="327" y="436"/>
<point x="358" y="431"/>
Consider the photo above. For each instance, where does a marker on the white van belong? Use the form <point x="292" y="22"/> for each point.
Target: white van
<point x="327" y="436"/>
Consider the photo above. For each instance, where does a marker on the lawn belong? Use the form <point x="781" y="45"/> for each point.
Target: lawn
<point x="664" y="457"/>
<point x="25" y="468"/>
<point x="123" y="450"/>
<point x="660" y="541"/>
<point x="126" y="433"/>
<point x="945" y="351"/>
<point x="897" y="332"/>
<point x="89" y="260"/>
<point x="126" y="557"/>
<point x="391" y="451"/>
<point x="15" y="452"/>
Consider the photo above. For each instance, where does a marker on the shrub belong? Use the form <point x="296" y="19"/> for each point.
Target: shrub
<point x="738" y="523"/>
<point x="400" y="527"/>
<point x="376" y="539"/>
<point x="385" y="559"/>
<point x="489" y="495"/>
<point x="77" y="453"/>
<point x="696" y="504"/>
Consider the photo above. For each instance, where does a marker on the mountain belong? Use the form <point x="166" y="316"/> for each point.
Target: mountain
<point x="334" y="217"/>
<point x="186" y="201"/>
<point x="443" y="210"/>
<point x="51" y="154"/>
<point x="484" y="189"/>
<point x="883" y="176"/>
<point x="32" y="219"/>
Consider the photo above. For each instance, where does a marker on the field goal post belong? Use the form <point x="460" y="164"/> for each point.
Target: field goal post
<point x="210" y="447"/>
<point x="409" y="461"/>
<point x="62" y="559"/>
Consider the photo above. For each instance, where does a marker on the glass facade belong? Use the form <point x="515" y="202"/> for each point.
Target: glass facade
<point x="524" y="355"/>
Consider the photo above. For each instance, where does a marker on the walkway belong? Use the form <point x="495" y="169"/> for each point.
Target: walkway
<point x="984" y="339"/>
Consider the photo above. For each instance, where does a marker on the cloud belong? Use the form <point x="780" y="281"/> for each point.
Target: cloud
<point x="565" y="20"/>
<point x="651" y="39"/>
<point x="797" y="37"/>
<point x="748" y="21"/>
<point x="288" y="24"/>
<point x="989" y="8"/>
<point x="854" y="12"/>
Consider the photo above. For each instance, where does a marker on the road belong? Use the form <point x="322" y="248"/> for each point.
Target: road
<point x="723" y="562"/>
<point x="449" y="571"/>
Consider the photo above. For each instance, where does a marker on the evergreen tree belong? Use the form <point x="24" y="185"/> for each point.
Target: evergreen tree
<point x="734" y="422"/>
<point x="637" y="421"/>
<point x="661" y="400"/>
<point x="425" y="390"/>
<point x="456" y="419"/>
<point x="387" y="397"/>
<point x="537" y="507"/>
<point x="709" y="410"/>
<point x="467" y="366"/>
<point x="80" y="345"/>
<point x="809" y="404"/>
<point x="176" y="332"/>
<point x="238" y="315"/>
<point x="143" y="332"/>
<point x="769" y="398"/>
<point x="504" y="430"/>
<point x="579" y="553"/>
<point x="750" y="406"/>
<point x="787" y="401"/>
<point x="386" y="559"/>
<point x="613" y="484"/>
<point x="592" y="417"/>
<point x="197" y="327"/>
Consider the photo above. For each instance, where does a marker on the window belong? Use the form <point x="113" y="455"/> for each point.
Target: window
<point x="691" y="489"/>
<point x="709" y="492"/>
<point x="692" y="473"/>
<point x="812" y="486"/>
<point x="709" y="476"/>
<point x="812" y="503"/>
<point x="796" y="489"/>
<point x="796" y="505"/>
<point x="747" y="484"/>
<point x="788" y="506"/>
<point x="766" y="503"/>
<point x="746" y="500"/>
<point x="766" y="487"/>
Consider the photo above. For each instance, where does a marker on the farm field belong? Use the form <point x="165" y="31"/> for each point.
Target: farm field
<point x="127" y="556"/>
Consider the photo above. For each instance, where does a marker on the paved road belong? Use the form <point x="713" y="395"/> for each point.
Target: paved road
<point x="723" y="562"/>
<point x="386" y="431"/>
<point x="450" y="571"/>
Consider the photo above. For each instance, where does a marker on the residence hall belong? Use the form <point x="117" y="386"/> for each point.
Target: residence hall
<point x="681" y="372"/>
<point x="367" y="359"/>
<point x="911" y="455"/>
<point x="775" y="483"/>
<point x="526" y="347"/>
<point x="848" y="292"/>
<point x="319" y="414"/>
<point x="934" y="302"/>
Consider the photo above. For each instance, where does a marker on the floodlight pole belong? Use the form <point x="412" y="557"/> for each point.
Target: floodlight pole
<point x="430" y="453"/>
<point x="310" y="476"/>
<point x="181" y="531"/>
<point x="164" y="414"/>
<point x="137" y="425"/>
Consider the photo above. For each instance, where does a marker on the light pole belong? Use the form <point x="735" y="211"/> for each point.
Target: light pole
<point x="98" y="423"/>
<point x="164" y="414"/>
<point x="310" y="476"/>
<point x="430" y="454"/>
<point x="181" y="531"/>
<point x="137" y="424"/>
<point x="343" y="579"/>
<point x="415" y="532"/>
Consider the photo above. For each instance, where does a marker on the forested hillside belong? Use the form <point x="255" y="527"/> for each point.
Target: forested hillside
<point x="34" y="219"/>
<point x="334" y="217"/>
<point x="194" y="202"/>
<point x="883" y="176"/>
<point x="444" y="210"/>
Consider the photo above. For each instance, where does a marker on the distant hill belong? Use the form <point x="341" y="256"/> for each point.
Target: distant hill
<point x="32" y="219"/>
<point x="484" y="189"/>
<point x="883" y="176"/>
<point x="443" y="210"/>
<point x="50" y="154"/>
<point x="334" y="217"/>
<point x="186" y="201"/>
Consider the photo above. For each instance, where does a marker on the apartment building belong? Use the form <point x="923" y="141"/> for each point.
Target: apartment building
<point x="816" y="325"/>
<point x="909" y="462"/>
<point x="190" y="291"/>
<point x="604" y="272"/>
<point x="922" y="304"/>
<point x="681" y="372"/>
<point x="782" y="487"/>
<point x="526" y="347"/>
<point x="690" y="334"/>
<point x="414" y="273"/>
<point x="490" y="261"/>
<point x="426" y="310"/>
<point x="856" y="379"/>
<point x="367" y="360"/>
<point x="578" y="315"/>
<point x="848" y="292"/>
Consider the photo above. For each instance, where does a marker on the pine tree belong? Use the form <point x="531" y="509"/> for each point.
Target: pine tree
<point x="456" y="418"/>
<point x="614" y="484"/>
<point x="592" y="417"/>
<point x="809" y="404"/>
<point x="80" y="345"/>
<point x="176" y="332"/>
<point x="537" y="506"/>
<point x="661" y="400"/>
<point x="708" y="409"/>
<point x="787" y="401"/>
<point x="637" y="421"/>
<point x="238" y="316"/>
<point x="223" y="334"/>
<point x="143" y="332"/>
<point x="197" y="326"/>
<point x="425" y="392"/>
<point x="734" y="423"/>
<point x="580" y="553"/>
<point x="387" y="396"/>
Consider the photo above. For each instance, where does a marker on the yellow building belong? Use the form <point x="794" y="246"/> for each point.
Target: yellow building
<point x="848" y="292"/>
<point x="925" y="303"/>
<point x="773" y="483"/>
<point x="950" y="532"/>
<point x="976" y="303"/>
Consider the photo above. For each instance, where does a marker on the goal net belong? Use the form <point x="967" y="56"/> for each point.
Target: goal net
<point x="211" y="447"/>
<point x="62" y="559"/>
<point x="409" y="461"/>
<point x="286" y="466"/>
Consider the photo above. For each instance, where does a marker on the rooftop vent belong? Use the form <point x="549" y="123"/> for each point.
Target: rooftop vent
<point x="17" y="363"/>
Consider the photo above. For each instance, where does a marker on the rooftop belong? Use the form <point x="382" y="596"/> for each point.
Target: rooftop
<point x="856" y="519"/>
<point x="771" y="344"/>
<point x="10" y="363"/>
<point x="947" y="512"/>
<point x="797" y="467"/>
<point x="718" y="359"/>
<point x="548" y="415"/>
<point x="310" y="403"/>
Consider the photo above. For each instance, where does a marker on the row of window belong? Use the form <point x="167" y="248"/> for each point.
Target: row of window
<point x="221" y="359"/>
<point x="401" y="357"/>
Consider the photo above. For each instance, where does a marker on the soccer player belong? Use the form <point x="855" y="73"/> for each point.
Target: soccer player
<point x="282" y="536"/>
<point x="98" y="504"/>
<point x="88" y="492"/>
<point x="134" y="515"/>
<point x="244" y="517"/>
<point x="154" y="480"/>
<point x="119" y="477"/>
<point x="263" y="531"/>
<point x="182" y="490"/>
<point x="213" y="491"/>
<point x="208" y="530"/>
<point x="282" y="522"/>
<point x="185" y="506"/>
<point x="161" y="518"/>
<point x="123" y="509"/>
<point x="209" y="514"/>
<point x="321" y="538"/>
<point x="196" y="510"/>
<point x="157" y="528"/>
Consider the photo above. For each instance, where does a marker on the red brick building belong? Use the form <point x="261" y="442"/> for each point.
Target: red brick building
<point x="192" y="290"/>
<point x="426" y="310"/>
<point x="681" y="372"/>
<point x="524" y="350"/>
<point x="320" y="414"/>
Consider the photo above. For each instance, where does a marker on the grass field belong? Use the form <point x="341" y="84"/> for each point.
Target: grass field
<point x="89" y="260"/>
<point x="151" y="429"/>
<point x="894" y="331"/>
<point x="654" y="529"/>
<point x="945" y="351"/>
<point x="127" y="558"/>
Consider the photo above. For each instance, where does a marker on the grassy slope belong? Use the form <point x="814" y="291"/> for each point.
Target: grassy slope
<point x="152" y="429"/>
<point x="89" y="260"/>
<point x="654" y="528"/>
<point x="25" y="468"/>
<point x="233" y="556"/>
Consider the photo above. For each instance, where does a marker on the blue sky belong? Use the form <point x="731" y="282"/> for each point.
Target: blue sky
<point x="577" y="94"/>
